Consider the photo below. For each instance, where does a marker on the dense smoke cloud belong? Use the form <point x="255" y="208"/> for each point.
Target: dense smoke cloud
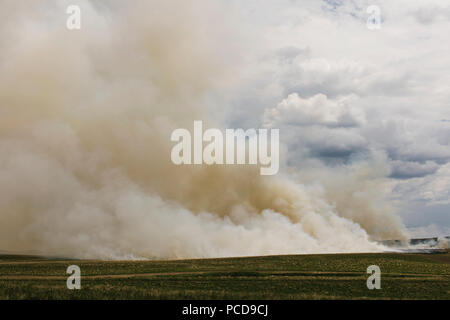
<point x="85" y="127"/>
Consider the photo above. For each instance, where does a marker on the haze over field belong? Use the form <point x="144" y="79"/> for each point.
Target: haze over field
<point x="86" y="119"/>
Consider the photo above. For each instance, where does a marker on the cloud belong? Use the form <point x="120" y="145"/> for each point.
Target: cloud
<point x="428" y="14"/>
<point x="409" y="169"/>
<point x="432" y="189"/>
<point x="431" y="230"/>
<point x="316" y="110"/>
<point x="395" y="81"/>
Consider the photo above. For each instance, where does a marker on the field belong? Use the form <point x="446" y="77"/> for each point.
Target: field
<point x="336" y="276"/>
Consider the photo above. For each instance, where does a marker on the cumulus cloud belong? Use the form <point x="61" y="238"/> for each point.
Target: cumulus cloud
<point x="409" y="169"/>
<point x="397" y="77"/>
<point x="316" y="110"/>
<point x="433" y="188"/>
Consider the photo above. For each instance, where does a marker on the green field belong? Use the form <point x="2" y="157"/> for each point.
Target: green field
<point x="334" y="276"/>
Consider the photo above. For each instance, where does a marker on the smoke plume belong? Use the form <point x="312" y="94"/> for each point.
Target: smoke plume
<point x="85" y="125"/>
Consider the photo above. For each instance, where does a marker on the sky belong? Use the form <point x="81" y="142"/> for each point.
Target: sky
<point x="87" y="115"/>
<point x="340" y="92"/>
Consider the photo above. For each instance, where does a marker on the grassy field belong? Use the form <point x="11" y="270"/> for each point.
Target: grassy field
<point x="337" y="276"/>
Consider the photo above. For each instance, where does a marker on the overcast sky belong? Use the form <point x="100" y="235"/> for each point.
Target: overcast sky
<point x="340" y="92"/>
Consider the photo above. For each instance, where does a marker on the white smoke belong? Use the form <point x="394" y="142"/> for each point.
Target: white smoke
<point x="85" y="127"/>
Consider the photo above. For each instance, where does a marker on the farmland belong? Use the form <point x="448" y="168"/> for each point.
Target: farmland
<point x="322" y="276"/>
